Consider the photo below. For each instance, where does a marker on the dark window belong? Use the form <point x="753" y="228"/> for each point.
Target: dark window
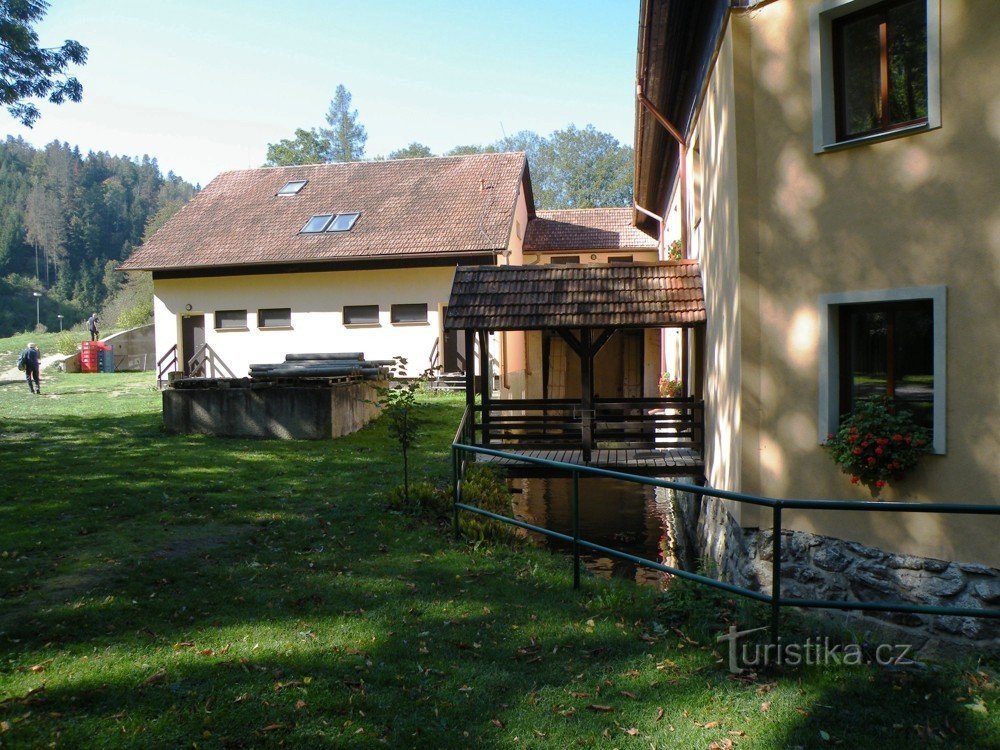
<point x="887" y="349"/>
<point x="317" y="224"/>
<point x="570" y="259"/>
<point x="230" y="318"/>
<point x="619" y="259"/>
<point x="343" y="222"/>
<point x="275" y="317"/>
<point x="361" y="315"/>
<point x="292" y="187"/>
<point x="880" y="68"/>
<point x="409" y="313"/>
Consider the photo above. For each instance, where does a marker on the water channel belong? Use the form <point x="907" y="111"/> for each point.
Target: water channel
<point x="634" y="518"/>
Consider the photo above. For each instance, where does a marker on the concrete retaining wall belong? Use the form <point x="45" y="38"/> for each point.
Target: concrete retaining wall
<point x="270" y="411"/>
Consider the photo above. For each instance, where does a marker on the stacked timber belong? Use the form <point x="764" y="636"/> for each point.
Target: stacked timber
<point x="328" y="365"/>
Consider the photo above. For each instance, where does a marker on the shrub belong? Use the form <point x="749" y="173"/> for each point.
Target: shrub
<point x="877" y="443"/>
<point x="670" y="387"/>
<point x="66" y="343"/>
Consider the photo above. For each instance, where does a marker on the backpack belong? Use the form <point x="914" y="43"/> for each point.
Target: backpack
<point x="22" y="360"/>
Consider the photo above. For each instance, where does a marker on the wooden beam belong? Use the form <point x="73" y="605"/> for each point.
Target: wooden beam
<point x="470" y="369"/>
<point x="587" y="392"/>
<point x="569" y="338"/>
<point x="604" y="338"/>
<point x="546" y="351"/>
<point x="485" y="385"/>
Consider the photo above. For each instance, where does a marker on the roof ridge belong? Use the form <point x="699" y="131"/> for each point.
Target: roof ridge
<point x="266" y="167"/>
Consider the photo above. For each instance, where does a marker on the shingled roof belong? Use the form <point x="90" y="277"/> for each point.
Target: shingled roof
<point x="585" y="229"/>
<point x="461" y="205"/>
<point x="530" y="298"/>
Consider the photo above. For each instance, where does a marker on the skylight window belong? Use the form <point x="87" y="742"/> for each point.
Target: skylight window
<point x="317" y="224"/>
<point x="343" y="222"/>
<point x="292" y="187"/>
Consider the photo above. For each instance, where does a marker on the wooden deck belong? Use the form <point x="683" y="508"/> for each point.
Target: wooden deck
<point x="648" y="462"/>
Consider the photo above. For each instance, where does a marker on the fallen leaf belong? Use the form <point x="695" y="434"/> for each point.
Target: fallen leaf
<point x="599" y="708"/>
<point x="579" y="695"/>
<point x="765" y="706"/>
<point x="712" y="725"/>
<point x="206" y="652"/>
<point x="632" y="732"/>
<point x="154" y="678"/>
<point x="272" y="727"/>
<point x="979" y="707"/>
<point x="37" y="668"/>
<point x="497" y="723"/>
<point x="300" y="704"/>
<point x="659" y="714"/>
<point x="4" y="726"/>
<point x="737" y="733"/>
<point x="183" y="644"/>
<point x="627" y="694"/>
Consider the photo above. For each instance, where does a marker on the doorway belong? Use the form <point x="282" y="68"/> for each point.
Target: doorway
<point x="192" y="339"/>
<point x="453" y="356"/>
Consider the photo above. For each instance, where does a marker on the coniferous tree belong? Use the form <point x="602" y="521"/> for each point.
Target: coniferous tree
<point x="346" y="136"/>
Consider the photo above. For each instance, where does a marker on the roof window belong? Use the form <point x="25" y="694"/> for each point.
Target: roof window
<point x="317" y="224"/>
<point x="292" y="187"/>
<point x="343" y="222"/>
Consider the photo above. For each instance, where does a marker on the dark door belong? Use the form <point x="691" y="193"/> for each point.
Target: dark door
<point x="453" y="356"/>
<point x="192" y="339"/>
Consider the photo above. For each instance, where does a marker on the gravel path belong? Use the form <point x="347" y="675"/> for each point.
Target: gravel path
<point x="14" y="375"/>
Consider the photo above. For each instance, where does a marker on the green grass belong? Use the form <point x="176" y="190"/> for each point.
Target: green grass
<point x="181" y="591"/>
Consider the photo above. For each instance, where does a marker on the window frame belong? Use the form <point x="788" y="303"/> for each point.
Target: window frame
<point x="397" y="322"/>
<point x="369" y="323"/>
<point x="830" y="352"/>
<point x="565" y="260"/>
<point x="823" y="64"/>
<point x="355" y="214"/>
<point x="286" y="191"/>
<point x="620" y="260"/>
<point x="281" y="326"/>
<point x="329" y="219"/>
<point x="216" y="321"/>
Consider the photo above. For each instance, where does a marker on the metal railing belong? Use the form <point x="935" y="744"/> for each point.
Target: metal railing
<point x="462" y="451"/>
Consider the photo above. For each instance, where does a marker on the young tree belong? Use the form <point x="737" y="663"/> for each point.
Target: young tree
<point x="307" y="147"/>
<point x="345" y="135"/>
<point x="414" y="151"/>
<point x="27" y="70"/>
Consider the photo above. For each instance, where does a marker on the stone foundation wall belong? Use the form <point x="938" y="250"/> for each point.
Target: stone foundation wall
<point x="821" y="567"/>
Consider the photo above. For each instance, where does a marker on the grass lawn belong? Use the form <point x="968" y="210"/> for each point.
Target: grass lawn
<point x="185" y="591"/>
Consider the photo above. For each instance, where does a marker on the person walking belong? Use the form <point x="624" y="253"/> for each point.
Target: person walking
<point x="92" y="326"/>
<point x="32" y="364"/>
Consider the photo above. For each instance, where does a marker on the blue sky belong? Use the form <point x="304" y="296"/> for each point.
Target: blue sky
<point x="205" y="85"/>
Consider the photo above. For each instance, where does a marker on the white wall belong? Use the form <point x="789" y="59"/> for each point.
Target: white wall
<point x="316" y="301"/>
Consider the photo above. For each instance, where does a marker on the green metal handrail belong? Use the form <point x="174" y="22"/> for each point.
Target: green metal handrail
<point x="774" y="599"/>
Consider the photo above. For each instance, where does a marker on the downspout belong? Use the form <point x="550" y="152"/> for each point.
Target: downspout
<point x="640" y="95"/>
<point x="659" y="219"/>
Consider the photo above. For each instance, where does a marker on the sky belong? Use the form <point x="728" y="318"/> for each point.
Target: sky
<point x="205" y="85"/>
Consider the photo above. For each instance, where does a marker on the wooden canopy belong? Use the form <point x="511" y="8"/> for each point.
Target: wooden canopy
<point x="551" y="297"/>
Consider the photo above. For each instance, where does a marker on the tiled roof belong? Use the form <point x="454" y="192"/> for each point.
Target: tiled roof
<point x="527" y="298"/>
<point x="585" y="229"/>
<point x="409" y="207"/>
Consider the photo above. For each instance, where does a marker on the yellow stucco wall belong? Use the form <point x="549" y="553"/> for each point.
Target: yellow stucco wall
<point x="916" y="211"/>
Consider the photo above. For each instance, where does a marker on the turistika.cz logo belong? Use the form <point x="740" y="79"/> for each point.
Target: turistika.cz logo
<point x="810" y="652"/>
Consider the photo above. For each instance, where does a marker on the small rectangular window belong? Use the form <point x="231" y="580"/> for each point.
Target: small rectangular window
<point x="317" y="224"/>
<point x="292" y="187"/>
<point x="275" y="317"/>
<point x="361" y="315"/>
<point x="343" y="222"/>
<point x="616" y="260"/>
<point x="568" y="259"/>
<point x="230" y="319"/>
<point x="409" y="313"/>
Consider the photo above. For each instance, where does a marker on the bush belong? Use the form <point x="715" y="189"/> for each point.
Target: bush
<point x="66" y="343"/>
<point x="878" y="443"/>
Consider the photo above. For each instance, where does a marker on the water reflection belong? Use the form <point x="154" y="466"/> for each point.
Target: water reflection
<point x="643" y="521"/>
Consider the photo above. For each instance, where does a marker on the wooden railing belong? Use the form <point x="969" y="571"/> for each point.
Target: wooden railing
<point x="538" y="424"/>
<point x="166" y="364"/>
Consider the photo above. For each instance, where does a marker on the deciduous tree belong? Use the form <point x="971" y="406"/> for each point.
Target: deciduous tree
<point x="307" y="147"/>
<point x="28" y="71"/>
<point x="414" y="151"/>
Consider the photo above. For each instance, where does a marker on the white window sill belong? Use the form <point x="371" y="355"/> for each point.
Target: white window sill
<point x="233" y="329"/>
<point x="411" y="323"/>
<point x="362" y="325"/>
<point x="275" y="328"/>
<point x="875" y="137"/>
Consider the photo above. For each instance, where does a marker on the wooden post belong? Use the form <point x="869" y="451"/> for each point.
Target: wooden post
<point x="485" y="385"/>
<point x="685" y="362"/>
<point x="470" y="371"/>
<point x="587" y="392"/>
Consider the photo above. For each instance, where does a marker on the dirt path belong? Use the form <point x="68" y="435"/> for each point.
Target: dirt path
<point x="13" y="374"/>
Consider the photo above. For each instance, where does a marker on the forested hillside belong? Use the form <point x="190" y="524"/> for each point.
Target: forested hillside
<point x="66" y="221"/>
